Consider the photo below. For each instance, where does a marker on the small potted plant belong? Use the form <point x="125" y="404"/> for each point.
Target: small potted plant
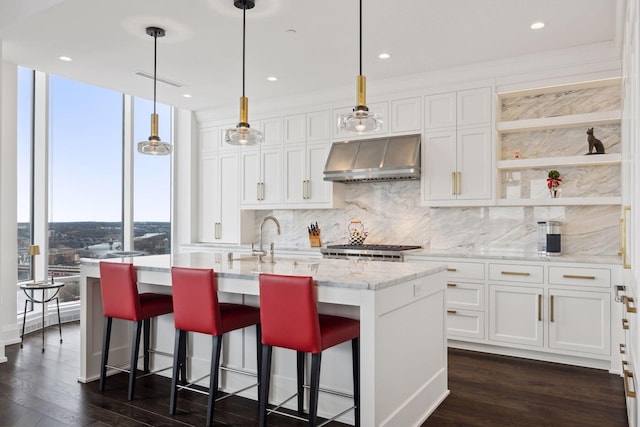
<point x="553" y="182"/>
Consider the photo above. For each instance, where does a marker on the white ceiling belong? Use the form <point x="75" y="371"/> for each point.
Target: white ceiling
<point x="203" y="45"/>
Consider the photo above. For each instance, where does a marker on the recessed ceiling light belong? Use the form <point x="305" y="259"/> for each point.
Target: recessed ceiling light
<point x="65" y="58"/>
<point x="272" y="78"/>
<point x="384" y="55"/>
<point x="187" y="95"/>
<point x="537" y="25"/>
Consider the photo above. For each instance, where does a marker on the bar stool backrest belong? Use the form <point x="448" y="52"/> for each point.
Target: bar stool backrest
<point x="288" y="313"/>
<point x="119" y="291"/>
<point x="195" y="300"/>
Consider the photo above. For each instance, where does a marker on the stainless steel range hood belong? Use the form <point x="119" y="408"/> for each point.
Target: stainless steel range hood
<point x="379" y="159"/>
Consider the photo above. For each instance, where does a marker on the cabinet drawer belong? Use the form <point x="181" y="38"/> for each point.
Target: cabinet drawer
<point x="465" y="296"/>
<point x="465" y="270"/>
<point x="600" y="277"/>
<point x="516" y="273"/>
<point x="465" y="324"/>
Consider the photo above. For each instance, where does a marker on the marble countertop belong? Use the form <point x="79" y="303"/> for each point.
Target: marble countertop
<point x="357" y="274"/>
<point x="515" y="256"/>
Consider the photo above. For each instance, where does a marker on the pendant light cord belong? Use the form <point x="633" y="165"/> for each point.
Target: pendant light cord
<point x="155" y="63"/>
<point x="244" y="23"/>
<point x="360" y="37"/>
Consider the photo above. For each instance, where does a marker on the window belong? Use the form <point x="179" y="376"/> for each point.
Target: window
<point x="85" y="176"/>
<point x="152" y="183"/>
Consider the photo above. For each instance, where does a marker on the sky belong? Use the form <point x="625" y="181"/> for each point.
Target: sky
<point x="85" y="169"/>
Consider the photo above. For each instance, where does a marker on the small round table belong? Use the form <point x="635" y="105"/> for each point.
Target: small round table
<point x="31" y="296"/>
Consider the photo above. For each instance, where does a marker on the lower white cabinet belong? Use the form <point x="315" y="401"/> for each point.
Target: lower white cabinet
<point x="580" y="321"/>
<point x="548" y="310"/>
<point x="515" y="315"/>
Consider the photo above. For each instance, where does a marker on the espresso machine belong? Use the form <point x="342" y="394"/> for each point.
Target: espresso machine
<point x="549" y="238"/>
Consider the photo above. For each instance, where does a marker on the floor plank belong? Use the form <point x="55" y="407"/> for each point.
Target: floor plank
<point x="40" y="389"/>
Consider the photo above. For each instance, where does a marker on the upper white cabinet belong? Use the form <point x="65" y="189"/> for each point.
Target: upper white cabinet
<point x="260" y="177"/>
<point x="457" y="166"/>
<point x="304" y="184"/>
<point x="308" y="127"/>
<point x="539" y="129"/>
<point x="221" y="220"/>
<point x="406" y="115"/>
<point x="271" y="129"/>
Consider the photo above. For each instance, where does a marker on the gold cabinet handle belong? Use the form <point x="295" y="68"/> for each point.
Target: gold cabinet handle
<point x="451" y="285"/>
<point x="625" y="263"/>
<point x="625" y="323"/>
<point x="451" y="312"/>
<point x="623" y="349"/>
<point x="453" y="183"/>
<point x="628" y="377"/>
<point x="551" y="308"/>
<point x="575" y="276"/>
<point x="629" y="304"/>
<point x="625" y="365"/>
<point x="452" y="269"/>
<point x="515" y="273"/>
<point x="459" y="183"/>
<point x="539" y="307"/>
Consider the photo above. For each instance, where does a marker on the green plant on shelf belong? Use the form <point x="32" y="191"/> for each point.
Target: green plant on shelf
<point x="553" y="182"/>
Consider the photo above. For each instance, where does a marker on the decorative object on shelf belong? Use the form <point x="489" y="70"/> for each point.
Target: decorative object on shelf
<point x="553" y="183"/>
<point x="242" y="134"/>
<point x="360" y="120"/>
<point x="33" y="251"/>
<point x="516" y="154"/>
<point x="153" y="145"/>
<point x="357" y="235"/>
<point x="594" y="143"/>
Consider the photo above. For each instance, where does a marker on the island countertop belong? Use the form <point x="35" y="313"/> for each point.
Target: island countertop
<point x="355" y="274"/>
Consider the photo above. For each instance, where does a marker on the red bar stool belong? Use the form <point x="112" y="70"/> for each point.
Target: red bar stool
<point x="290" y="319"/>
<point x="196" y="309"/>
<point x="121" y="300"/>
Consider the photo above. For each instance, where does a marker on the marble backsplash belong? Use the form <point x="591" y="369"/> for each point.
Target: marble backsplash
<point x="391" y="213"/>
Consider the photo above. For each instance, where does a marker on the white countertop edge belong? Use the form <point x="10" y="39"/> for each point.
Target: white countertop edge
<point x="564" y="258"/>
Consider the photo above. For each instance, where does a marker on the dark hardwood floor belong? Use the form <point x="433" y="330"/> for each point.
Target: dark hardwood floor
<point x="40" y="389"/>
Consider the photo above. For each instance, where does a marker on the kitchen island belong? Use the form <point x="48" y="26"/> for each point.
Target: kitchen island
<point x="401" y="308"/>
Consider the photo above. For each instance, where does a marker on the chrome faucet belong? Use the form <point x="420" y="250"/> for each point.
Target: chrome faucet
<point x="261" y="252"/>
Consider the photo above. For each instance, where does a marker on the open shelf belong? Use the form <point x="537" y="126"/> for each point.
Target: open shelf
<point x="560" y="122"/>
<point x="561" y="201"/>
<point x="593" y="159"/>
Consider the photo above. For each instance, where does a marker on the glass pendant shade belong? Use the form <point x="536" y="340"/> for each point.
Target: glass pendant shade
<point x="153" y="145"/>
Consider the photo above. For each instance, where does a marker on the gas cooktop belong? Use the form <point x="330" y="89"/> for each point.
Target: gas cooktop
<point x="375" y="247"/>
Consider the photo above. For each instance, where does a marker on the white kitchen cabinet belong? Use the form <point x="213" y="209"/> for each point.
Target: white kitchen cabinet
<point x="580" y="321"/>
<point x="457" y="167"/>
<point x="465" y="309"/>
<point x="221" y="220"/>
<point x="309" y="127"/>
<point x="516" y="315"/>
<point x="271" y="130"/>
<point x="406" y="115"/>
<point x="304" y="184"/>
<point x="461" y="109"/>
<point x="209" y="139"/>
<point x="260" y="177"/>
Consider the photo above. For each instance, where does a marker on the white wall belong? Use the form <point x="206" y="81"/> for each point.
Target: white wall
<point x="8" y="201"/>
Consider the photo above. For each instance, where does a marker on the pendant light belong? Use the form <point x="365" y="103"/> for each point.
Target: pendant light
<point x="153" y="145"/>
<point x="360" y="120"/>
<point x="242" y="134"/>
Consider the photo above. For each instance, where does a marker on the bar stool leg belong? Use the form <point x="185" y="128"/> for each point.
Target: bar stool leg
<point x="216" y="346"/>
<point x="59" y="325"/>
<point x="135" y="350"/>
<point x="315" y="388"/>
<point x="300" y="380"/>
<point x="264" y="380"/>
<point x="355" y="355"/>
<point x="178" y="362"/>
<point x="24" y="318"/>
<point x="146" y="344"/>
<point x="259" y="357"/>
<point x="106" y="338"/>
